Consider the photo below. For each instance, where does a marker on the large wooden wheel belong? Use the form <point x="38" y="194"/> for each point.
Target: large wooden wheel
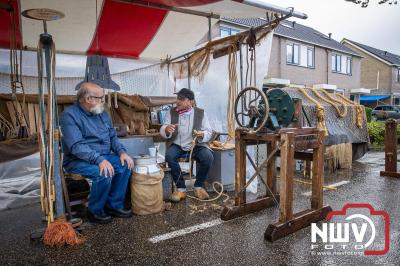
<point x="251" y="109"/>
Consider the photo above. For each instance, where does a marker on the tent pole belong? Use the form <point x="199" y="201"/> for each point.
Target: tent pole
<point x="277" y="20"/>
<point x="209" y="29"/>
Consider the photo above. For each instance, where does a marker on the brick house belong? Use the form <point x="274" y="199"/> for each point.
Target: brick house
<point x="380" y="72"/>
<point x="304" y="55"/>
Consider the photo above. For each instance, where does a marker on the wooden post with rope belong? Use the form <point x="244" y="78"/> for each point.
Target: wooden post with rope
<point x="390" y="149"/>
<point x="286" y="143"/>
<point x="288" y="221"/>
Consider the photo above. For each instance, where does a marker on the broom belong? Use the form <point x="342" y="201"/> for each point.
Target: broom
<point x="58" y="232"/>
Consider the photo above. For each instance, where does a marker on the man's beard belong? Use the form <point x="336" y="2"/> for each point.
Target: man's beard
<point x="98" y="109"/>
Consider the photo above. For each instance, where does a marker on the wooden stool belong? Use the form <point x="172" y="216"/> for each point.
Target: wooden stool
<point x="77" y="198"/>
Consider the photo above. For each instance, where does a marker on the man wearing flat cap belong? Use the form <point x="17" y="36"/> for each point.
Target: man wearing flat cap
<point x="182" y="124"/>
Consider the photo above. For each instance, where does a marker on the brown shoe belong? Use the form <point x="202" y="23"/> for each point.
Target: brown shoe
<point x="177" y="196"/>
<point x="201" y="193"/>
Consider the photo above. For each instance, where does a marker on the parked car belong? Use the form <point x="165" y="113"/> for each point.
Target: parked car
<point x="383" y="112"/>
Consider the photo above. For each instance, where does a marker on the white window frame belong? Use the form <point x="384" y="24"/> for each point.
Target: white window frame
<point x="312" y="65"/>
<point x="336" y="58"/>
<point x="349" y="71"/>
<point x="231" y="31"/>
<point x="292" y="60"/>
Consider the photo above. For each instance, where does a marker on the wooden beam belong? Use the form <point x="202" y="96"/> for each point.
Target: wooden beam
<point x="318" y="173"/>
<point x="286" y="184"/>
<point x="261" y="137"/>
<point x="12" y="113"/>
<point x="300" y="131"/>
<point x="232" y="212"/>
<point x="307" y="169"/>
<point x="300" y="155"/>
<point x="33" y="98"/>
<point x="303" y="145"/>
<point x="37" y="116"/>
<point x="390" y="146"/>
<point x="271" y="169"/>
<point x="31" y="118"/>
<point x="240" y="166"/>
<point x="300" y="220"/>
<point x="390" y="174"/>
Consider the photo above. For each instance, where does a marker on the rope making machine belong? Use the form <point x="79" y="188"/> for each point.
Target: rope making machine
<point x="274" y="118"/>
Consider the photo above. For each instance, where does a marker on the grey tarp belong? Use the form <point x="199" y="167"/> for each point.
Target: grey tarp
<point x="20" y="182"/>
<point x="341" y="130"/>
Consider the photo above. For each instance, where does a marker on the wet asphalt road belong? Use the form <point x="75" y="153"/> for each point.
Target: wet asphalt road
<point x="236" y="242"/>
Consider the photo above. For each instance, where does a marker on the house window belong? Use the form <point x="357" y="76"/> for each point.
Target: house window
<point x="292" y="53"/>
<point x="310" y="57"/>
<point x="398" y="75"/>
<point x="348" y="65"/>
<point x="233" y="31"/>
<point x="225" y="31"/>
<point x="336" y="63"/>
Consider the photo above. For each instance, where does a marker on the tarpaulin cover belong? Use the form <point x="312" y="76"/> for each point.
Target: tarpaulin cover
<point x="20" y="182"/>
<point x="341" y="130"/>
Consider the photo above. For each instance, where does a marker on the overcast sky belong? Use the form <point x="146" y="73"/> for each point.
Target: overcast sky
<point x="376" y="25"/>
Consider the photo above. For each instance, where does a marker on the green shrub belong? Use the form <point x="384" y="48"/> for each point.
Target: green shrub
<point x="376" y="132"/>
<point x="368" y="112"/>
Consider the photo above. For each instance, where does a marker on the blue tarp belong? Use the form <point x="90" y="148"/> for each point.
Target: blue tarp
<point x="373" y="98"/>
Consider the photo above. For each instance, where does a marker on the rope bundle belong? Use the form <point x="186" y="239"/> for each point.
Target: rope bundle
<point x="319" y="112"/>
<point x="60" y="233"/>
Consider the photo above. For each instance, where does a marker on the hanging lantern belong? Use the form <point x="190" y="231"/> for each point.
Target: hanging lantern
<point x="98" y="72"/>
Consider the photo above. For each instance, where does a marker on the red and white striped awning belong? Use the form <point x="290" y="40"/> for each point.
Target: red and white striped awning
<point x="122" y="28"/>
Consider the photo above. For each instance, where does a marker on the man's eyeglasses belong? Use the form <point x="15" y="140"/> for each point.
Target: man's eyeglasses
<point x="102" y="98"/>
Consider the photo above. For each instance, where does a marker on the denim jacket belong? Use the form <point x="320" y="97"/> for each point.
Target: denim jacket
<point x="87" y="137"/>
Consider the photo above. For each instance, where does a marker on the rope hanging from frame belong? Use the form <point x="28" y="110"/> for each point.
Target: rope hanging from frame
<point x="199" y="61"/>
<point x="20" y="128"/>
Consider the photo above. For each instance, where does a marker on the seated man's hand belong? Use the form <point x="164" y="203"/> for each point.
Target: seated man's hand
<point x="170" y="129"/>
<point x="106" y="168"/>
<point x="126" y="158"/>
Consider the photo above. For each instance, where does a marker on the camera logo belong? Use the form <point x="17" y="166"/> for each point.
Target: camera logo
<point x="349" y="232"/>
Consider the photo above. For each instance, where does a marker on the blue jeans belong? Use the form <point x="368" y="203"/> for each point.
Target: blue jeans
<point x="104" y="190"/>
<point x="203" y="157"/>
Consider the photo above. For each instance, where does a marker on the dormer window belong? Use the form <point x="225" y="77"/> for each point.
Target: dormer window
<point x="225" y="31"/>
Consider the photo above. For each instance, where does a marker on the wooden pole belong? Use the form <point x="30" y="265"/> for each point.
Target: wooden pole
<point x="240" y="162"/>
<point x="390" y="149"/>
<point x="287" y="169"/>
<point x="271" y="170"/>
<point x="390" y="146"/>
<point x="318" y="172"/>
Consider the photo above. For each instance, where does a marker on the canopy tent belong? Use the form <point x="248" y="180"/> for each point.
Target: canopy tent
<point x="373" y="98"/>
<point x="128" y="28"/>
